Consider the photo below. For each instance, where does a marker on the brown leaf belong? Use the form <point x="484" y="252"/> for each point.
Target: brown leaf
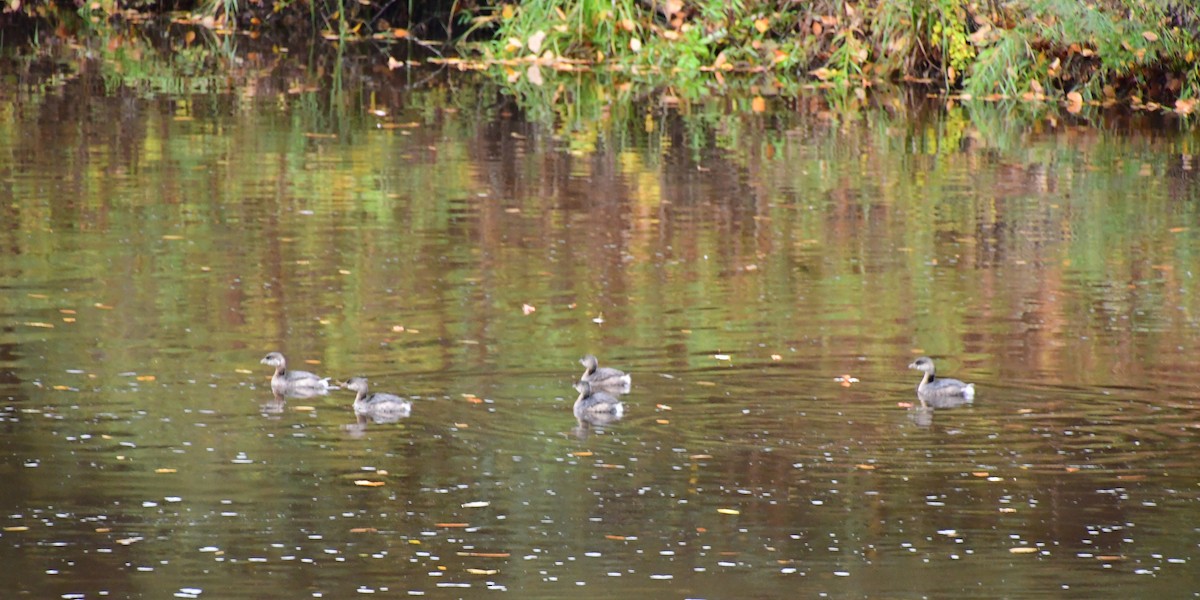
<point x="1150" y="36"/>
<point x="758" y="104"/>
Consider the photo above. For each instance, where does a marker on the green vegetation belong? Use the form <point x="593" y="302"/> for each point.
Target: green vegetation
<point x="1129" y="51"/>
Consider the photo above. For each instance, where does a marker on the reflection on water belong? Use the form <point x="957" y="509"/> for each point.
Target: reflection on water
<point x="155" y="248"/>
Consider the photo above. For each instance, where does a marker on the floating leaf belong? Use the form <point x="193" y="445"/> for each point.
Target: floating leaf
<point x="1023" y="550"/>
<point x="165" y="470"/>
<point x="662" y="407"/>
<point x="776" y="357"/>
<point x="130" y="541"/>
<point x="304" y="408"/>
<point x="478" y="504"/>
<point x="482" y="571"/>
<point x="17" y="528"/>
<point x="452" y="525"/>
<point x="866" y="467"/>
<point x="484" y="554"/>
<point x="729" y="511"/>
<point x="146" y="378"/>
<point x="981" y="473"/>
<point x="527" y="308"/>
<point x="363" y="530"/>
<point x="583" y="453"/>
<point x="367" y="483"/>
<point x="619" y="538"/>
<point x="534" y="43"/>
<point x="700" y="456"/>
<point x="662" y="421"/>
<point x="40" y="324"/>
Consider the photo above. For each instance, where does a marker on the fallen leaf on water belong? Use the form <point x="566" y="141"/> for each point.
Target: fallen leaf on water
<point x="17" y="528"/>
<point x="482" y="571"/>
<point x="393" y="64"/>
<point x="904" y="404"/>
<point x="172" y="237"/>
<point x="103" y="529"/>
<point x="866" y="467"/>
<point x="1109" y="557"/>
<point x="462" y="425"/>
<point x="527" y="308"/>
<point x="243" y="371"/>
<point x="477" y="504"/>
<point x="40" y="324"/>
<point x="304" y="408"/>
<point x="981" y="473"/>
<point x="363" y="530"/>
<point x="1023" y="550"/>
<point x="583" y="453"/>
<point x="61" y="388"/>
<point x="146" y="378"/>
<point x="311" y="361"/>
<point x="534" y="43"/>
<point x="700" y="456"/>
<point x="722" y="357"/>
<point x="662" y="421"/>
<point x="619" y="538"/>
<point x="707" y="383"/>
<point x="1131" y="477"/>
<point x="66" y="311"/>
<point x="38" y="296"/>
<point x="102" y="306"/>
<point x="1008" y="510"/>
<point x="776" y="357"/>
<point x="367" y="483"/>
<point x="534" y="75"/>
<point x="1072" y="469"/>
<point x="398" y="328"/>
<point x="165" y="470"/>
<point x="452" y="525"/>
<point x="486" y="554"/>
<point x="729" y="511"/>
<point x="129" y="541"/>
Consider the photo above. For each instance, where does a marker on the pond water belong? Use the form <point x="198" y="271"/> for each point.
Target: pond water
<point x="765" y="277"/>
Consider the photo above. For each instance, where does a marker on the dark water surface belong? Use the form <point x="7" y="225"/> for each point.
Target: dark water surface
<point x="154" y="247"/>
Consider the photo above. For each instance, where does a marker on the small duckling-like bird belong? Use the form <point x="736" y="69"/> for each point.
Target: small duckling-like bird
<point x="594" y="402"/>
<point x="286" y="383"/>
<point x="604" y="377"/>
<point x="379" y="406"/>
<point x="940" y="392"/>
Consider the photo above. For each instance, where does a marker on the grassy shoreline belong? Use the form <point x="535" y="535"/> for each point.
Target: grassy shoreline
<point x="1127" y="52"/>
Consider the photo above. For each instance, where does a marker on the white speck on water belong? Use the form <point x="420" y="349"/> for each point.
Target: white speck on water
<point x="842" y="573"/>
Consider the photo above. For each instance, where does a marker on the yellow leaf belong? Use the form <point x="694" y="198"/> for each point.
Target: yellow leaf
<point x="367" y="483"/>
<point x="508" y="12"/>
<point x="452" y="525"/>
<point x="762" y="25"/>
<point x="729" y="511"/>
<point x="363" y="530"/>
<point x="758" y="104"/>
<point x="400" y="32"/>
<point x="482" y="571"/>
<point x="164" y="470"/>
<point x="17" y="528"/>
<point x="1023" y="550"/>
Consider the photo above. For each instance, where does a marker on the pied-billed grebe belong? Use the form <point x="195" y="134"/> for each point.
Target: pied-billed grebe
<point x="940" y="390"/>
<point x="603" y="377"/>
<point x="378" y="405"/>
<point x="285" y="382"/>
<point x="594" y="401"/>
